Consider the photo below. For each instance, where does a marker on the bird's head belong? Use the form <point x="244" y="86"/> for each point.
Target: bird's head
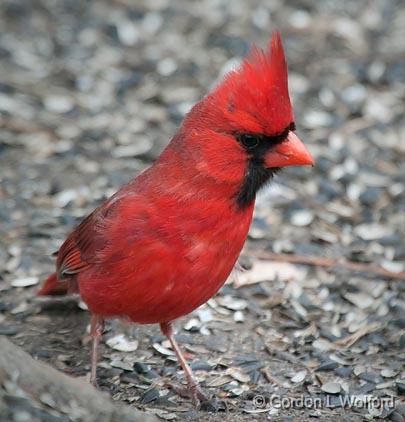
<point x="244" y="130"/>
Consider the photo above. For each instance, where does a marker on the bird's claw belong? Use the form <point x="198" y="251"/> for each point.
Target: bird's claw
<point x="94" y="383"/>
<point x="192" y="391"/>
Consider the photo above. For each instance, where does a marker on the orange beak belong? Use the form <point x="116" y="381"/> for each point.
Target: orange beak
<point x="291" y="152"/>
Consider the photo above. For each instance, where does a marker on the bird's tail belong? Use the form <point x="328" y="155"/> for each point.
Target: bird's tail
<point x="53" y="287"/>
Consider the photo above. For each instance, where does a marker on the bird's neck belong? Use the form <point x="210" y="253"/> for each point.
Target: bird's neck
<point x="186" y="175"/>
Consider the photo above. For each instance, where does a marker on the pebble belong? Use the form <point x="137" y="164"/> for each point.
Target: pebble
<point x="165" y="415"/>
<point x="299" y="377"/>
<point x="8" y="330"/>
<point x="47" y="399"/>
<point x="232" y="303"/>
<point x="317" y="118"/>
<point x="152" y="22"/>
<point x="300" y="19"/>
<point x="118" y="363"/>
<point x="121" y="343"/>
<point x="141" y="367"/>
<point x="201" y="366"/>
<point x="298" y="83"/>
<point x="354" y="94"/>
<point x="370" y="377"/>
<point x="366" y="388"/>
<point x="302" y="218"/>
<point x="82" y="305"/>
<point x="166" y="66"/>
<point x="343" y="371"/>
<point x="327" y="366"/>
<point x="385" y="385"/>
<point x="331" y="388"/>
<point x="323" y="345"/>
<point x="149" y="396"/>
<point x="128" y="33"/>
<point x="395" y="267"/>
<point x="401" y="386"/>
<point x="259" y="228"/>
<point x="238" y="375"/>
<point x="358" y="369"/>
<point x="20" y="308"/>
<point x="25" y="282"/>
<point x="58" y="104"/>
<point x="193" y="324"/>
<point x="376" y="109"/>
<point x="261" y="17"/>
<point x="372" y="231"/>
<point x="205" y="314"/>
<point x="376" y="70"/>
<point x="361" y="299"/>
<point x="327" y="97"/>
<point x="370" y="196"/>
<point x="239" y="316"/>
<point x="140" y="146"/>
<point x="163" y="350"/>
<point x="388" y="373"/>
<point x="64" y="197"/>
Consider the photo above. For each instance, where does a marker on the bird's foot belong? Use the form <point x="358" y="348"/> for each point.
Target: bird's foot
<point x="94" y="383"/>
<point x="192" y="391"/>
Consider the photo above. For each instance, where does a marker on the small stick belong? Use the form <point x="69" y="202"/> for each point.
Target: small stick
<point x="331" y="263"/>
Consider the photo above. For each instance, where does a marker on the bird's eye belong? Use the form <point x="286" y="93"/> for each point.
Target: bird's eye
<point x="249" y="141"/>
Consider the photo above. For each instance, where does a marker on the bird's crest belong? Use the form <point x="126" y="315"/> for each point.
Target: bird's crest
<point x="256" y="94"/>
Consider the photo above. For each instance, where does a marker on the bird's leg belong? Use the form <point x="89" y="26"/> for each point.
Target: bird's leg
<point x="193" y="389"/>
<point x="96" y="331"/>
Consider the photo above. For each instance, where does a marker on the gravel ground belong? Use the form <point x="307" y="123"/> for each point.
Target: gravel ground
<point x="90" y="92"/>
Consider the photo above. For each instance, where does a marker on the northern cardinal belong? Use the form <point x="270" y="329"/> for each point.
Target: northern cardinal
<point x="167" y="241"/>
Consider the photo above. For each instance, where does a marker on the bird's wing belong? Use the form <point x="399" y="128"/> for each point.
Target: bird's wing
<point x="75" y="254"/>
<point x="87" y="244"/>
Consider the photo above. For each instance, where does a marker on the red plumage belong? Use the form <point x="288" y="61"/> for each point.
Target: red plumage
<point x="167" y="241"/>
<point x="255" y="97"/>
<point x="146" y="254"/>
<point x="53" y="287"/>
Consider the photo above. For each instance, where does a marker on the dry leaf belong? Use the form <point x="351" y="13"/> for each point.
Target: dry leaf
<point x="267" y="271"/>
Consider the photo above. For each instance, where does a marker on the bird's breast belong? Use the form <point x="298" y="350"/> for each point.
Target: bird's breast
<point x="175" y="263"/>
<point x="211" y="249"/>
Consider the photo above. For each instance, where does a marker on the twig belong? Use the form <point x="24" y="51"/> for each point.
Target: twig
<point x="43" y="387"/>
<point x="331" y="263"/>
<point x="348" y="341"/>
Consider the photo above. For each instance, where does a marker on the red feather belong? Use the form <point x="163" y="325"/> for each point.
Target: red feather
<point x="254" y="97"/>
<point x="166" y="242"/>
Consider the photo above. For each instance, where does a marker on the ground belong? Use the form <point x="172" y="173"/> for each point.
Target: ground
<point x="89" y="95"/>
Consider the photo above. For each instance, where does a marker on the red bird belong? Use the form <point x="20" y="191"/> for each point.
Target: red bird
<point x="166" y="242"/>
